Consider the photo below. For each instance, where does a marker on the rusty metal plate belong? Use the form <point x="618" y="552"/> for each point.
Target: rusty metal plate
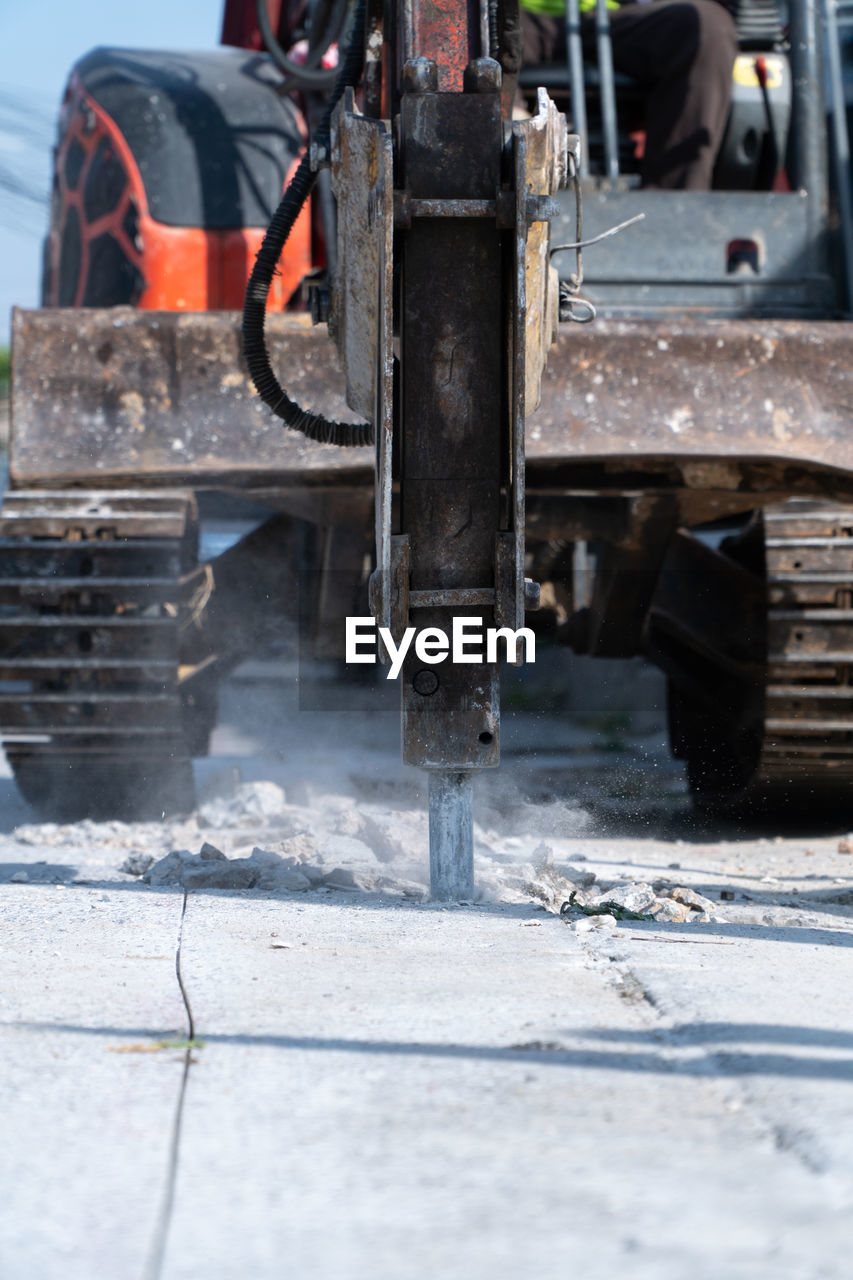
<point x="540" y="167"/>
<point x="118" y="396"/>
<point x="362" y="180"/>
<point x="440" y="29"/>
<point x="362" y="318"/>
<point x="702" y="390"/>
<point x="110" y="397"/>
<point x="541" y="152"/>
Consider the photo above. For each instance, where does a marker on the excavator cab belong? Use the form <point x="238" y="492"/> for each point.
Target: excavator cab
<point x="610" y="114"/>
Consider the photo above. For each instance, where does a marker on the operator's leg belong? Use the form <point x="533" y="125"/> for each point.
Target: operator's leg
<point x="684" y="51"/>
<point x="543" y="39"/>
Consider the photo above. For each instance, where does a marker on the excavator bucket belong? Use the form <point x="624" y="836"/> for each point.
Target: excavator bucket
<point x="724" y="408"/>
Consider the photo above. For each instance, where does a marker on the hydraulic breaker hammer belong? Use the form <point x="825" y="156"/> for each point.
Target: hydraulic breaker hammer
<point x="443" y="306"/>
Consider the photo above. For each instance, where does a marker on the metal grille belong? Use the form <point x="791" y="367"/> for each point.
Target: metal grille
<point x="758" y="22"/>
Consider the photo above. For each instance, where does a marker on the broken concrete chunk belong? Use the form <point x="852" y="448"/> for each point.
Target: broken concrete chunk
<point x="671" y="912"/>
<point x="547" y="885"/>
<point x="411" y="888"/>
<point x="210" y="853"/>
<point x="351" y="881"/>
<point x="591" y="924"/>
<point x="313" y="875"/>
<point x="341" y="878"/>
<point x="541" y="890"/>
<point x="239" y="874"/>
<point x="633" y="897"/>
<point x="168" y="870"/>
<point x="136" y="864"/>
<point x="194" y="871"/>
<point x="691" y="898"/>
<point x="267" y="859"/>
<point x="275" y="872"/>
<point x="286" y="878"/>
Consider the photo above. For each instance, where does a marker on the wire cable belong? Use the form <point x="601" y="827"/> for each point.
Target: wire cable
<point x="312" y="425"/>
<point x="307" y="75"/>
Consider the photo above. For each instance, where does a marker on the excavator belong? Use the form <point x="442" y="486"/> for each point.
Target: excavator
<point x="434" y="396"/>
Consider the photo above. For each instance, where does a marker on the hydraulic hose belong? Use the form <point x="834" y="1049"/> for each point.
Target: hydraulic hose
<point x="307" y="75"/>
<point x="312" y="425"/>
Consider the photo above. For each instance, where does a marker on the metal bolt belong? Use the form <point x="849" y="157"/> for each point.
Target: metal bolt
<point x="483" y="75"/>
<point x="425" y="682"/>
<point x="319" y="301"/>
<point x="531" y="595"/>
<point x="541" y="208"/>
<point x="318" y="155"/>
<point x="420" y="75"/>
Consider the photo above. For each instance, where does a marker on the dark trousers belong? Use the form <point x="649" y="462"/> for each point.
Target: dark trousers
<point x="682" y="52"/>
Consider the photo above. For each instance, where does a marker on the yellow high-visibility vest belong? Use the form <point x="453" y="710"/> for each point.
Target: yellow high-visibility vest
<point x="557" y="8"/>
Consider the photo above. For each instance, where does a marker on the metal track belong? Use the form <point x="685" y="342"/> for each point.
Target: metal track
<point x="808" y="724"/>
<point x="94" y="590"/>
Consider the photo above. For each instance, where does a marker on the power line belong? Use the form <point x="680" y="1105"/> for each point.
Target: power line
<point x="27" y="130"/>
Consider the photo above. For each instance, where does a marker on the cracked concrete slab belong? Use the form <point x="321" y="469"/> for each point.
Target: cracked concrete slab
<point x="85" y="1128"/>
<point x="391" y="1089"/>
<point x="469" y="1093"/>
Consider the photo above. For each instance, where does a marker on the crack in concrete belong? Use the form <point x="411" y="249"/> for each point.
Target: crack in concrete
<point x="157" y="1251"/>
<point x="800" y="1143"/>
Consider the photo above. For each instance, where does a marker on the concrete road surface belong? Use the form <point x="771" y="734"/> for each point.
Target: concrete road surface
<point x="384" y="1089"/>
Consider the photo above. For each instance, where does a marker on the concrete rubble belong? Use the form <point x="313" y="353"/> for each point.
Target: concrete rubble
<point x="345" y="863"/>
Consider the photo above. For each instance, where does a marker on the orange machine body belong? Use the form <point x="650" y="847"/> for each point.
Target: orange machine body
<point x="106" y="245"/>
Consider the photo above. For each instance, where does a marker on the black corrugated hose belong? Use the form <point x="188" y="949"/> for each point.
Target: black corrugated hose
<point x="313" y="425"/>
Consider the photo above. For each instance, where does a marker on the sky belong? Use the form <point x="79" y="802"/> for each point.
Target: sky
<point x="40" y="40"/>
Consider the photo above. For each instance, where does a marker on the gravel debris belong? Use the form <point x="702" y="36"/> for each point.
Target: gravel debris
<point x="670" y="912"/>
<point x="633" y="897"/>
<point x="286" y="872"/>
<point x="136" y="864"/>
<point x="664" y="903"/>
<point x="237" y="873"/>
<point x="690" y="898"/>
